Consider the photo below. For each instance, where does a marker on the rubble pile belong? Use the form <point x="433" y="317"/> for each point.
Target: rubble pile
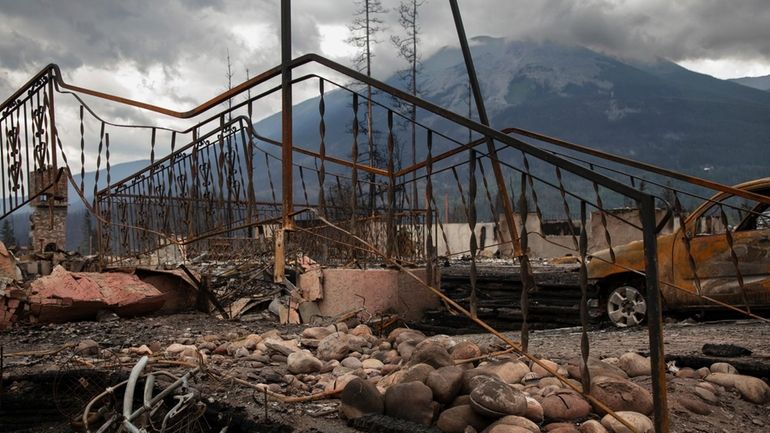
<point x="451" y="385"/>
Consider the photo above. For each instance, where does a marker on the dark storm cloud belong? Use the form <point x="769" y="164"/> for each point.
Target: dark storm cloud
<point x="193" y="35"/>
<point x="102" y="34"/>
<point x="677" y="30"/>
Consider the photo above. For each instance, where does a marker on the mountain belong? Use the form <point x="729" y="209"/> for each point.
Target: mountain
<point x="656" y="112"/>
<point x="761" y="83"/>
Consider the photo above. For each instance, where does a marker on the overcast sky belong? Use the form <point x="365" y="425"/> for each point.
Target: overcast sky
<point x="172" y="52"/>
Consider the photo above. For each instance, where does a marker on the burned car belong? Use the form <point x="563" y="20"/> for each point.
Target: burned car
<point x="719" y="256"/>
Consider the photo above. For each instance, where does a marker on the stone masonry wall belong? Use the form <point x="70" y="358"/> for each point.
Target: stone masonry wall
<point x="43" y="232"/>
<point x="49" y="210"/>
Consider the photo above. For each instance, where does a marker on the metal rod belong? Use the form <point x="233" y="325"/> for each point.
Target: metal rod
<point x="654" y="315"/>
<point x="128" y="397"/>
<point x="52" y="120"/>
<point x="286" y="115"/>
<point x="474" y="82"/>
<point x="2" y="357"/>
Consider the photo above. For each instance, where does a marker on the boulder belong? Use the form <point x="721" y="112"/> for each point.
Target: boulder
<point x="360" y="397"/>
<point x="273" y="333"/>
<point x="241" y="352"/>
<point x="495" y="398"/>
<point x="372" y="363"/>
<point x="445" y="383"/>
<point x="634" y="364"/>
<point x="175" y="349"/>
<point x="596" y="367"/>
<point x="406" y="349"/>
<point x="333" y="346"/>
<point x="417" y="373"/>
<point x="565" y="405"/>
<point x="357" y="344"/>
<point x="432" y="354"/>
<point x="515" y="421"/>
<point x="395" y="333"/>
<point x="688" y="373"/>
<point x="706" y="394"/>
<point x="561" y="427"/>
<point x="442" y="340"/>
<point x="361" y="331"/>
<point x="640" y="422"/>
<point x="387" y="356"/>
<point x="412" y="401"/>
<point x="460" y="400"/>
<point x="141" y="350"/>
<point x="457" y="418"/>
<point x="751" y="388"/>
<point x="339" y="383"/>
<point x="390" y="380"/>
<point x="91" y="347"/>
<point x="249" y="342"/>
<point x="542" y="372"/>
<point x="351" y="362"/>
<point x="592" y="426"/>
<point x="505" y="428"/>
<point x="723" y="367"/>
<point x="407" y="335"/>
<point x="279" y="345"/>
<point x="694" y="405"/>
<point x="621" y="395"/>
<point x="507" y="371"/>
<point x="303" y="362"/>
<point x="534" y="410"/>
<point x="316" y="333"/>
<point x="465" y="350"/>
<point x="550" y="381"/>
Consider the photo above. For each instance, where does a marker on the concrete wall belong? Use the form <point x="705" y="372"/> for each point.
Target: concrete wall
<point x="539" y="245"/>
<point x="620" y="226"/>
<point x="377" y="290"/>
<point x="459" y="235"/>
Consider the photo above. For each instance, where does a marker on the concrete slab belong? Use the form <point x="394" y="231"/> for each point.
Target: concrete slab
<point x="376" y="290"/>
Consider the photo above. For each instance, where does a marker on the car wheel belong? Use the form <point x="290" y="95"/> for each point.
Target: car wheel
<point x="626" y="306"/>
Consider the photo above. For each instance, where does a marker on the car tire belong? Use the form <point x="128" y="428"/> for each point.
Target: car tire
<point x="627" y="305"/>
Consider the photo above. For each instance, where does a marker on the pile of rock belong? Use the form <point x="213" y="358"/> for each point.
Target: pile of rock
<point x="429" y="380"/>
<point x="501" y="395"/>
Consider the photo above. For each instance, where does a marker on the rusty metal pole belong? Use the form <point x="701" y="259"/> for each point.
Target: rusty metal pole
<point x="286" y="144"/>
<point x="474" y="82"/>
<point x="286" y="116"/>
<point x="654" y="316"/>
<point x="2" y="358"/>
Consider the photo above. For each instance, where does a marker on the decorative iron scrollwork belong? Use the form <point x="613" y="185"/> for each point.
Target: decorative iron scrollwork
<point x="40" y="124"/>
<point x="12" y="136"/>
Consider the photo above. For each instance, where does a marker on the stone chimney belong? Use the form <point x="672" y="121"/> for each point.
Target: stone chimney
<point x="49" y="210"/>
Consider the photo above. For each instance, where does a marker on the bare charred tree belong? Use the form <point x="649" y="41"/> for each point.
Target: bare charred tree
<point x="367" y="23"/>
<point x="7" y="233"/>
<point x="248" y="92"/>
<point x="229" y="76"/>
<point x="407" y="49"/>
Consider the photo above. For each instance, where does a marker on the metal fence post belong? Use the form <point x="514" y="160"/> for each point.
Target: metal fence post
<point x="654" y="315"/>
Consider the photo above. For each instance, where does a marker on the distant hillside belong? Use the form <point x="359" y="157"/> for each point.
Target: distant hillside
<point x="761" y="83"/>
<point x="660" y="113"/>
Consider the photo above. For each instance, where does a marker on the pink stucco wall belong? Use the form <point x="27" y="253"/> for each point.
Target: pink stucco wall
<point x="378" y="290"/>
